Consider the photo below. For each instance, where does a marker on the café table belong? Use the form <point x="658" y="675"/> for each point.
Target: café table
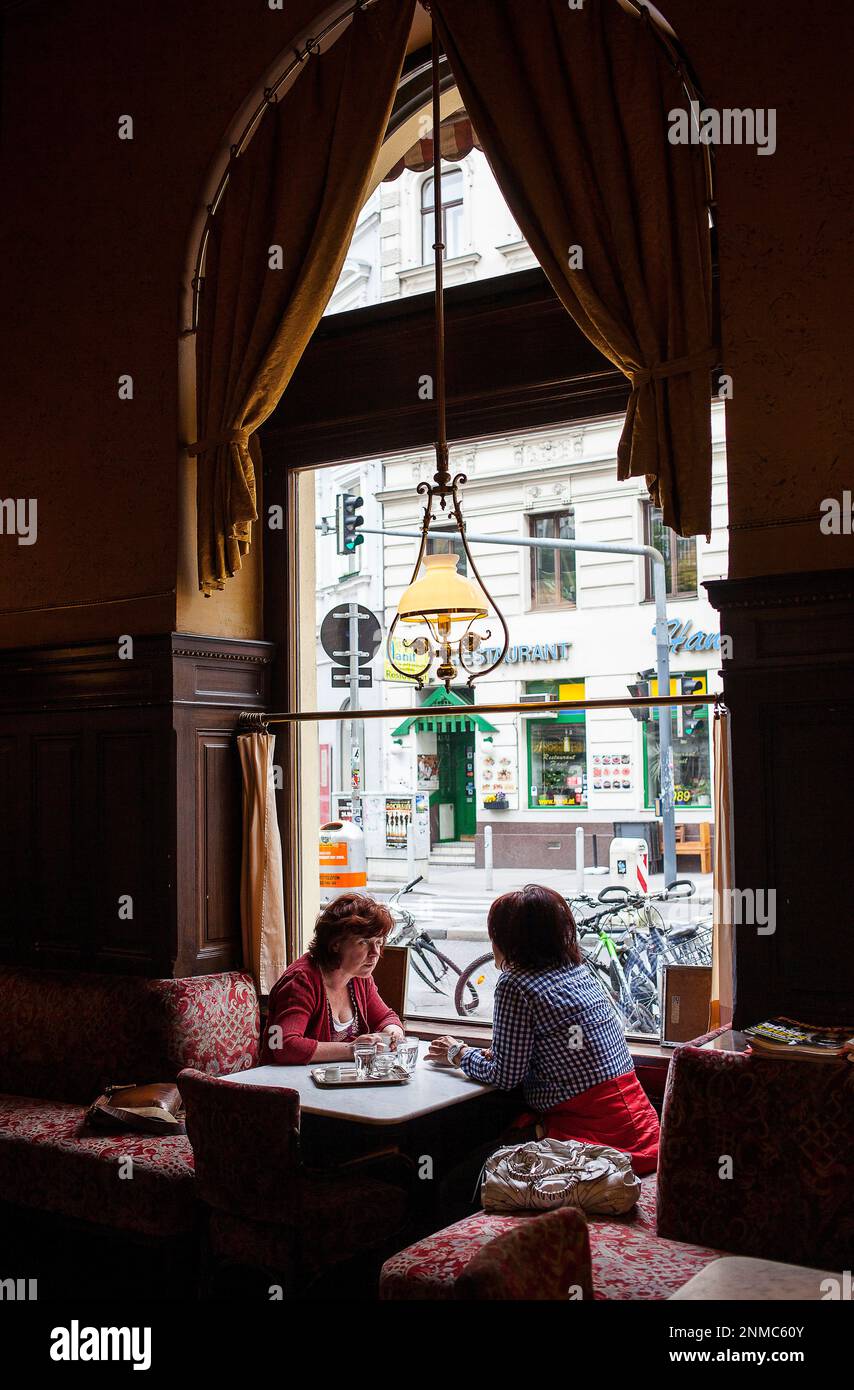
<point x="742" y="1279"/>
<point x="430" y="1088"/>
<point x="439" y="1114"/>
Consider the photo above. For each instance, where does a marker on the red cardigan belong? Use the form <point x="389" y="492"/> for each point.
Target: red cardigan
<point x="298" y="1005"/>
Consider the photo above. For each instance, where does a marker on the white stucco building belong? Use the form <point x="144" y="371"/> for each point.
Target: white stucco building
<point x="581" y="624"/>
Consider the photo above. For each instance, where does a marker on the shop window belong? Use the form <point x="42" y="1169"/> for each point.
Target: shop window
<point x="452" y="215"/>
<point x="552" y="571"/>
<point x="680" y="556"/>
<point x="557" y="749"/>
<point x="692" y="757"/>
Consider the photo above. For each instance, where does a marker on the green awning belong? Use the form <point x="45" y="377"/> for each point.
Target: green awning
<point x="436" y="723"/>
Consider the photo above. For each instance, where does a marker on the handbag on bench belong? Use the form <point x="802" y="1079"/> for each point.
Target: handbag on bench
<point x="153" y="1109"/>
<point x="549" y="1173"/>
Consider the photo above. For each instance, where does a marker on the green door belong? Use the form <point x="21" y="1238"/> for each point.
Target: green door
<point x="456" y="786"/>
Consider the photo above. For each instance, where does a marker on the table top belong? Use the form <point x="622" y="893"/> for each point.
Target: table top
<point x="739" y="1279"/>
<point x="430" y="1088"/>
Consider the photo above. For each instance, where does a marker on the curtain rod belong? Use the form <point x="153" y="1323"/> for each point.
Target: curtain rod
<point x="254" y="719"/>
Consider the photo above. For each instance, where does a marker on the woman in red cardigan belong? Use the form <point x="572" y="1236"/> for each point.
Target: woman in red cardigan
<point x="327" y="999"/>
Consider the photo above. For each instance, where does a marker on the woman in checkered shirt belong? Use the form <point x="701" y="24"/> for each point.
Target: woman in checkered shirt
<point x="555" y="1033"/>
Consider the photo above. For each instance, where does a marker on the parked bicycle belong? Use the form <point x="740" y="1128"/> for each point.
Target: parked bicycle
<point x="624" y="940"/>
<point x="432" y="966"/>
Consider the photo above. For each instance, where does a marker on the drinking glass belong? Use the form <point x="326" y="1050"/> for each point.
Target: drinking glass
<point x="382" y="1065"/>
<point x="363" y="1055"/>
<point x="407" y="1054"/>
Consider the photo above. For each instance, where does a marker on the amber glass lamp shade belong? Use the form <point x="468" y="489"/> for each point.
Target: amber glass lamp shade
<point x="439" y="594"/>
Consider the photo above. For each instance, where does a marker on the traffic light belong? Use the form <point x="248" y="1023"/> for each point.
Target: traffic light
<point x="691" y="713"/>
<point x="347" y="522"/>
<point x="639" y="689"/>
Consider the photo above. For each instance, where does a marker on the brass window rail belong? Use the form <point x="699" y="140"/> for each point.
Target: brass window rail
<point x="252" y="719"/>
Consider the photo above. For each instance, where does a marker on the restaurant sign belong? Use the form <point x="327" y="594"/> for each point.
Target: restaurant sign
<point x="525" y="651"/>
<point x="684" y="639"/>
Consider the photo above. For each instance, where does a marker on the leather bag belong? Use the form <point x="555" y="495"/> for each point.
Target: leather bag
<point x="152" y="1109"/>
<point x="549" y="1173"/>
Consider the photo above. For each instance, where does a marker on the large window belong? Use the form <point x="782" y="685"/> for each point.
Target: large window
<point x="552" y="571"/>
<point x="680" y="556"/>
<point x="452" y="215"/>
<point x="557" y="749"/>
<point x="692" y="759"/>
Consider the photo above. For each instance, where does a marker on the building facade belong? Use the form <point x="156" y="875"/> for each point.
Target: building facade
<point x="581" y="623"/>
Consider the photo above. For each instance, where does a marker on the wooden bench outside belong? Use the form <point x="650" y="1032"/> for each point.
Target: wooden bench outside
<point x="702" y="846"/>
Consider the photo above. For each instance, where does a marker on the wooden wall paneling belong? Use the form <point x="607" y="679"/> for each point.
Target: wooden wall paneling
<point x="129" y="854"/>
<point x="56" y="886"/>
<point x="790" y="688"/>
<point x="103" y="793"/>
<point x="14" y="791"/>
<point x="214" y="681"/>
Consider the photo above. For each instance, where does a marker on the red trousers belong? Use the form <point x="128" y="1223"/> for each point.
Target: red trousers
<point x="617" y="1112"/>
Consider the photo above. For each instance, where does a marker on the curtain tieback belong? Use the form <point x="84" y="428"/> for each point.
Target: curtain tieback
<point x="677" y="366"/>
<point x="207" y="446"/>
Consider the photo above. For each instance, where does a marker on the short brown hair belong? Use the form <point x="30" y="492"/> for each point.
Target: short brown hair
<point x="351" y="914"/>
<point x="534" y="928"/>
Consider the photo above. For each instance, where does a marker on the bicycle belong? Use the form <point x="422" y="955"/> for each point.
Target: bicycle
<point x="623" y="939"/>
<point x="637" y="942"/>
<point x="429" y="963"/>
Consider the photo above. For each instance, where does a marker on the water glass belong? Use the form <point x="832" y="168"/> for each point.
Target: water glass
<point x="407" y="1054"/>
<point x="382" y="1065"/>
<point x="363" y="1055"/>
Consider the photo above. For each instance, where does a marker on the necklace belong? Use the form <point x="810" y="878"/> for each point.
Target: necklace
<point x="334" y="1028"/>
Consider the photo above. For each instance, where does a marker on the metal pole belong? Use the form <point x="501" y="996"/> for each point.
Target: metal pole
<point x="665" y="749"/>
<point x="487" y="857"/>
<point x="579" y="858"/>
<point x="356" y="726"/>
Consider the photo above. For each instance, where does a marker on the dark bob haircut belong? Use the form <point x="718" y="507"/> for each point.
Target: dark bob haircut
<point x="534" y="928"/>
<point x="351" y="914"/>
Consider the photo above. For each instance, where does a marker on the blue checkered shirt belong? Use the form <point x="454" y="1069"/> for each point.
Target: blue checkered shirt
<point x="554" y="1032"/>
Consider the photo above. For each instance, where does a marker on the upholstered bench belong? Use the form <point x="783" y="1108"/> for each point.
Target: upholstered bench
<point x="628" y="1259"/>
<point x="754" y="1160"/>
<point x="63" y="1038"/>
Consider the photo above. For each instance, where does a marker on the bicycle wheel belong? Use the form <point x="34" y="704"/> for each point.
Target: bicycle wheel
<point x="475" y="991"/>
<point x="424" y="971"/>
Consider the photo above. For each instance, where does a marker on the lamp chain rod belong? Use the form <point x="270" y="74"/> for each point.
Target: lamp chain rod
<point x="443" y="476"/>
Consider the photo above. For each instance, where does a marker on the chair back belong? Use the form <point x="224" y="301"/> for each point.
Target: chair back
<point x="246" y="1146"/>
<point x="545" y="1258"/>
<point x="755" y="1156"/>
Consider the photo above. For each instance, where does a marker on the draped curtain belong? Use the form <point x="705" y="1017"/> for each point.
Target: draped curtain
<point x="262" y="902"/>
<point x="275" y="251"/>
<point x="571" y="109"/>
<point x="723" y="877"/>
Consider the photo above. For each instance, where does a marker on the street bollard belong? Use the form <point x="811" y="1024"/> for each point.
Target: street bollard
<point x="410" y="850"/>
<point x="487" y="856"/>
<point x="579" y="859"/>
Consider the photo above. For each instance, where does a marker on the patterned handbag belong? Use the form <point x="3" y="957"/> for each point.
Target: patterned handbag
<point x="549" y="1173"/>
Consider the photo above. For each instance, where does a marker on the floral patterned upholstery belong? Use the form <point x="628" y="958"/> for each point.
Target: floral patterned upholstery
<point x="267" y="1209"/>
<point x="628" y="1260"/>
<point x="51" y="1161"/>
<point x="63" y="1037"/>
<point x="788" y="1127"/>
<point x="537" y="1260"/>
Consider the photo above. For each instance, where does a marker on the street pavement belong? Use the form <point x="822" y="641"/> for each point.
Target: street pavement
<point x="454" y="903"/>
